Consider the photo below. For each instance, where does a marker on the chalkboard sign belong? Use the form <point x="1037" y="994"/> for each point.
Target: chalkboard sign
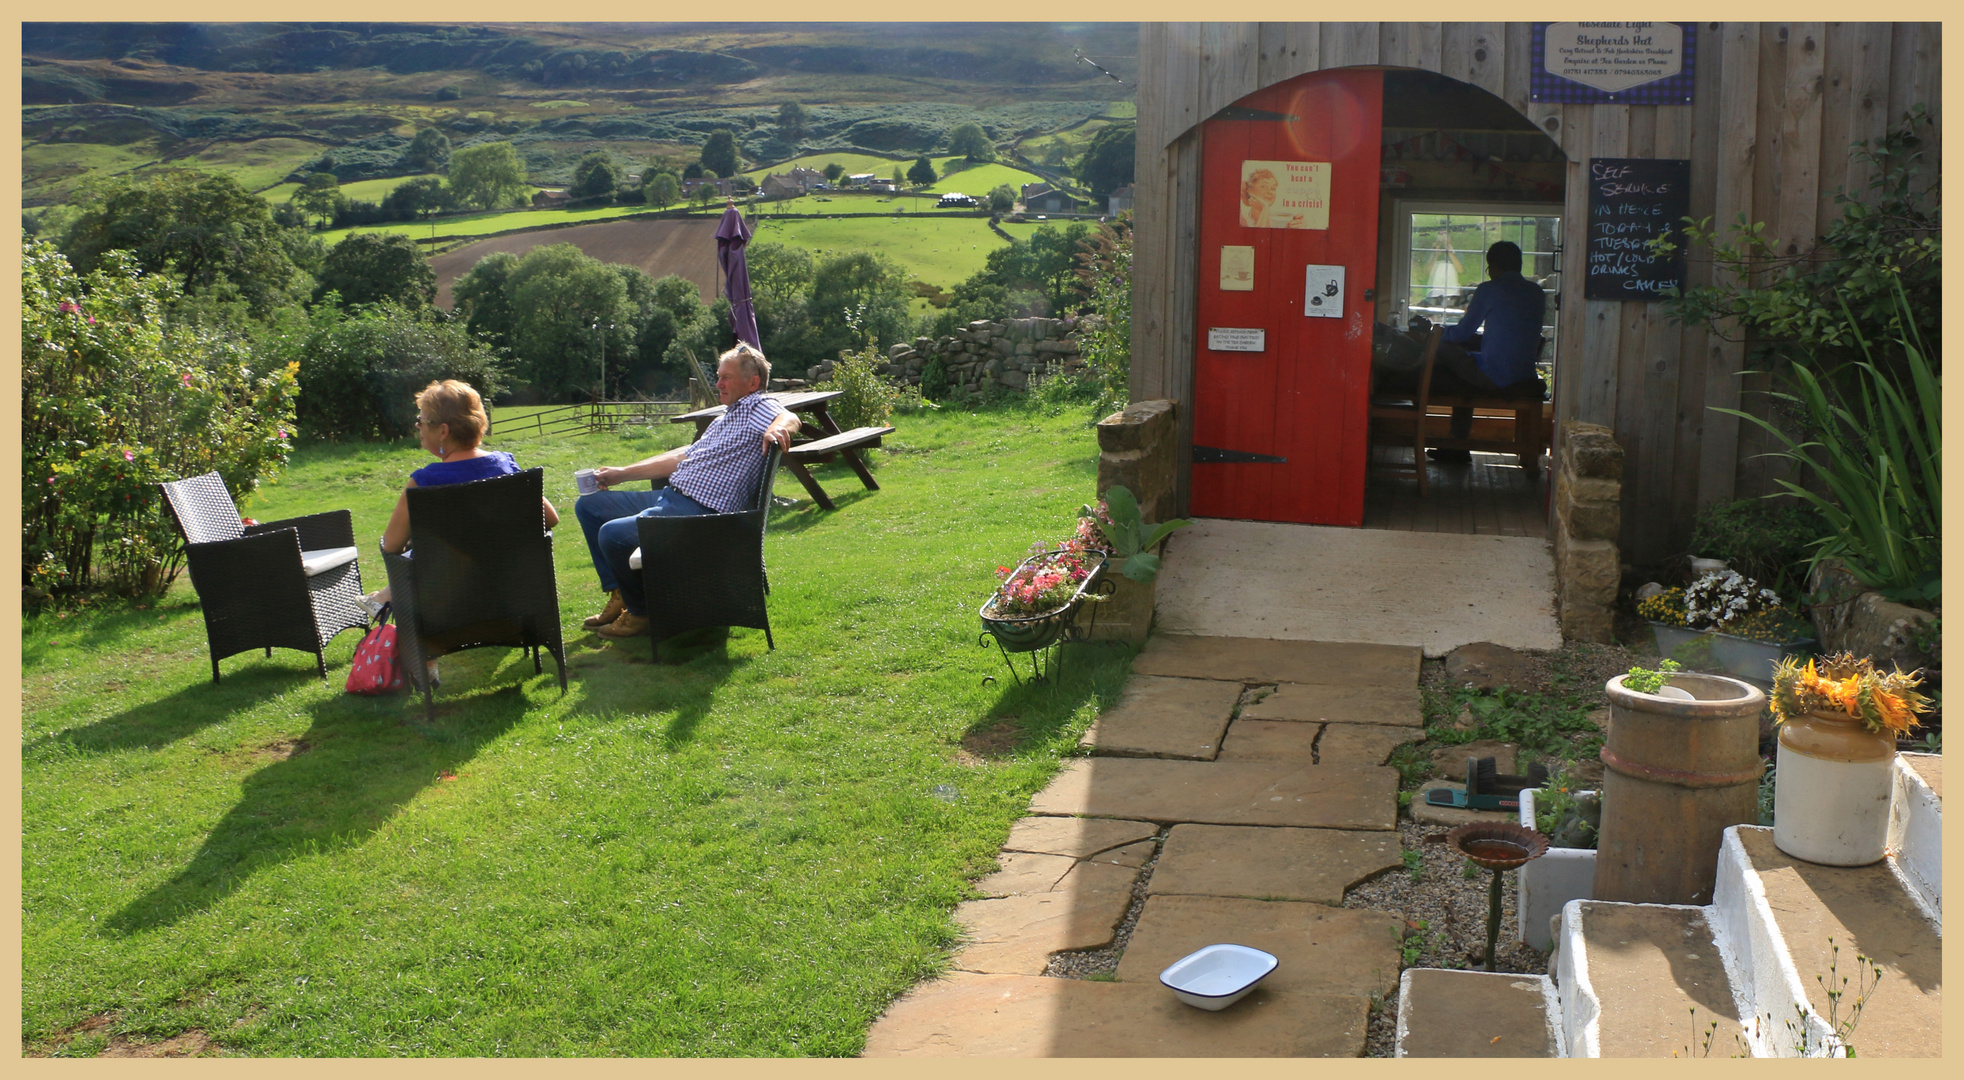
<point x="1633" y="201"/>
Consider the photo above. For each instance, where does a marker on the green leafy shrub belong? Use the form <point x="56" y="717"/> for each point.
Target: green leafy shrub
<point x="934" y="378"/>
<point x="360" y="372"/>
<point x="1763" y="540"/>
<point x="867" y="397"/>
<point x="1105" y="335"/>
<point x="115" y="401"/>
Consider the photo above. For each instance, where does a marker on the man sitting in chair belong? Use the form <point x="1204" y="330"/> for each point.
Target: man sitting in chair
<point x="713" y="475"/>
<point x="1505" y="315"/>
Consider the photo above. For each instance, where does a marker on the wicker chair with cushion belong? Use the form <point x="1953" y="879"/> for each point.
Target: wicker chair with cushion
<point x="725" y="581"/>
<point x="478" y="572"/>
<point x="290" y="584"/>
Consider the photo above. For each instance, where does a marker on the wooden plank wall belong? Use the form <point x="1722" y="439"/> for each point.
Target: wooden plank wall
<point x="1776" y="107"/>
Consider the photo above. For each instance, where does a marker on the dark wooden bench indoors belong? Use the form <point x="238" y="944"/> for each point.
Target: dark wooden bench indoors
<point x="845" y="444"/>
<point x="1527" y="438"/>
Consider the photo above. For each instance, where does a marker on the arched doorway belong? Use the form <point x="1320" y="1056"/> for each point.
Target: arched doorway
<point x="1397" y="158"/>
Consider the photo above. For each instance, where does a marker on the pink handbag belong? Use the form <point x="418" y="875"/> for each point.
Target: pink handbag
<point x="375" y="669"/>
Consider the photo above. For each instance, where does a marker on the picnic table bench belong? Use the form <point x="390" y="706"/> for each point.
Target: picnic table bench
<point x="811" y="409"/>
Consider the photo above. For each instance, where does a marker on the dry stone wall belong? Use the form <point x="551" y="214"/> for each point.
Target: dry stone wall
<point x="1588" y="515"/>
<point x="985" y="353"/>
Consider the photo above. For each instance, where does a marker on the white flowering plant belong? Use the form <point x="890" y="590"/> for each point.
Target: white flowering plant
<point x="1716" y="600"/>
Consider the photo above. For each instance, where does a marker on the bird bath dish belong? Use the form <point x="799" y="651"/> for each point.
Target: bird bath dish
<point x="1217" y="976"/>
<point x="1499" y="847"/>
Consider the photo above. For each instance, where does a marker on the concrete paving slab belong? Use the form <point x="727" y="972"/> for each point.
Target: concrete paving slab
<point x="1017" y="934"/>
<point x="1262" y="660"/>
<point x="1437" y="591"/>
<point x="1320" y="950"/>
<point x="1162" y="717"/>
<point x="1091" y="875"/>
<point x="1020" y="872"/>
<point x="1864" y="909"/>
<point x="1225" y="793"/>
<point x="1073" y="836"/>
<point x="967" y="1015"/>
<point x="1445" y="816"/>
<point x="1473" y="1014"/>
<point x="1362" y="744"/>
<point x="1271" y="740"/>
<point x="1395" y="706"/>
<point x="1650" y="966"/>
<point x="1132" y="855"/>
<point x="1316" y="865"/>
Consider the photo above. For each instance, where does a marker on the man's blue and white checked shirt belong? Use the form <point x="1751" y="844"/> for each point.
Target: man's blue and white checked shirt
<point x="721" y="470"/>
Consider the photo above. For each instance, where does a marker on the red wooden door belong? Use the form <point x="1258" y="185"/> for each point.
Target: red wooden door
<point x="1279" y="435"/>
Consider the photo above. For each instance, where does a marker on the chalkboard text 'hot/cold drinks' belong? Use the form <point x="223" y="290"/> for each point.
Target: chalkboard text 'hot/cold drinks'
<point x="1633" y="201"/>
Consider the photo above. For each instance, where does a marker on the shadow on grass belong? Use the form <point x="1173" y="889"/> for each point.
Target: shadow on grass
<point x="333" y="787"/>
<point x="625" y="678"/>
<point x="1032" y="713"/>
<point x="808" y="513"/>
<point x="159" y="723"/>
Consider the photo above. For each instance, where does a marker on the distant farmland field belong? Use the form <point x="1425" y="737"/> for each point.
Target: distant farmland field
<point x="660" y="247"/>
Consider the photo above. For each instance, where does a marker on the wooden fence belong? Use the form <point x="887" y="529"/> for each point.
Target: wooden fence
<point x="593" y="417"/>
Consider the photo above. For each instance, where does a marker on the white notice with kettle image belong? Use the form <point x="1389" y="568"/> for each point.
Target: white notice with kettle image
<point x="1323" y="292"/>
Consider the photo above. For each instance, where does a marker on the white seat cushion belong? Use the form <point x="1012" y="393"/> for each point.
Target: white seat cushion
<point x="318" y="562"/>
<point x="634" y="560"/>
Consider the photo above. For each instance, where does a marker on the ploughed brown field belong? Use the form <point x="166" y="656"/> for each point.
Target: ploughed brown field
<point x="661" y="248"/>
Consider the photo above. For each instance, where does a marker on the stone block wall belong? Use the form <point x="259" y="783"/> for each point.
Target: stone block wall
<point x="987" y="352"/>
<point x="1137" y="449"/>
<point x="1854" y="619"/>
<point x="1588" y="466"/>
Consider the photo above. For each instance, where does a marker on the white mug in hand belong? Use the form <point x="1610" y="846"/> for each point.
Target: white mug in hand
<point x="585" y="479"/>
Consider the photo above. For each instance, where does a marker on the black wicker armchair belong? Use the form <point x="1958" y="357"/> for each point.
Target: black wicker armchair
<point x="478" y="572"/>
<point x="722" y="580"/>
<point x="290" y="584"/>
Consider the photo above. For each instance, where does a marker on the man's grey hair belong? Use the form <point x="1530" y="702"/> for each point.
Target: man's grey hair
<point x="748" y="362"/>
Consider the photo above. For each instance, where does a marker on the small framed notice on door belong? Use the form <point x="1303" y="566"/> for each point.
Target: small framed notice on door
<point x="1237" y="268"/>
<point x="1237" y="339"/>
<point x="1323" y="292"/>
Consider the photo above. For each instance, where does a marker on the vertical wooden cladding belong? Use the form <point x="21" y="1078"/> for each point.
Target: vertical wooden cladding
<point x="1776" y="108"/>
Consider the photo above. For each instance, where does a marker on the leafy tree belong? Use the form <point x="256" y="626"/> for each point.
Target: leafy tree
<point x="661" y="189"/>
<point x="1053" y="264"/>
<point x="558" y="294"/>
<point x="114" y="399"/>
<point x="922" y="173"/>
<point x="488" y="176"/>
<point x="970" y="141"/>
<point x="1107" y="163"/>
<point x="1002" y="198"/>
<point x="369" y="267"/>
<point x="213" y="234"/>
<point x="320" y="195"/>
<point x="595" y="176"/>
<point x="361" y="371"/>
<point x="448" y="93"/>
<point x="704" y="194"/>
<point x="482" y="298"/>
<point x="900" y="175"/>
<point x="780" y="286"/>
<point x="1105" y="269"/>
<point x="420" y="197"/>
<point x="792" y="122"/>
<point x="857" y="299"/>
<point x="833" y="170"/>
<point x="693" y="170"/>
<point x="719" y="153"/>
<point x="429" y="151"/>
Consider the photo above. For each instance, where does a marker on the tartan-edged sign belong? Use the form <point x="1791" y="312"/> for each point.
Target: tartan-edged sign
<point x="1627" y="63"/>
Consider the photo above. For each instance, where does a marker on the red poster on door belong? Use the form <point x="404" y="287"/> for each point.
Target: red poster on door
<point x="1288" y="256"/>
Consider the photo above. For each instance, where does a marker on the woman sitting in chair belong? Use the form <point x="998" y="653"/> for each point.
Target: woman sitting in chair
<point x="450" y="421"/>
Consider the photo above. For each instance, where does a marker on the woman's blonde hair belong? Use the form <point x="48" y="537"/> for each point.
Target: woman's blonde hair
<point x="749" y="361"/>
<point x="1256" y="177"/>
<point x="455" y="403"/>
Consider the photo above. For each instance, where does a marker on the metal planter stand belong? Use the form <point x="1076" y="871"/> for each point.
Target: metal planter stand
<point x="1040" y="634"/>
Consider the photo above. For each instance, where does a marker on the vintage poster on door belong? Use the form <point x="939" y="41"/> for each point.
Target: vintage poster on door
<point x="1285" y="194"/>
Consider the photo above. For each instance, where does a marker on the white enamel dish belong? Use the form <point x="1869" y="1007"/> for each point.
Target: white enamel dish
<point x="1217" y="976"/>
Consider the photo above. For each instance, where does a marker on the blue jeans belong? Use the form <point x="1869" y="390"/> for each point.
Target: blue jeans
<point x="607" y="519"/>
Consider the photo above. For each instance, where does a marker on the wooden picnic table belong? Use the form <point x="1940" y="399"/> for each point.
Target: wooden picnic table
<point x="807" y="449"/>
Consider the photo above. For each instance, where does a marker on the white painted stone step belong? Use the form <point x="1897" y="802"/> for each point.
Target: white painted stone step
<point x="1778" y="914"/>
<point x="1643" y="980"/>
<point x="1916" y="830"/>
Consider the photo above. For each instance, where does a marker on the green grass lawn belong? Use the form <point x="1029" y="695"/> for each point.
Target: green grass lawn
<point x="746" y="853"/>
<point x="943" y="251"/>
<point x="852" y="163"/>
<point x="486" y="223"/>
<point x="367" y="190"/>
<point x="979" y="180"/>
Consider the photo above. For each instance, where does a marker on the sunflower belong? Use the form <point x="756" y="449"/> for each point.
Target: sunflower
<point x="1844" y="683"/>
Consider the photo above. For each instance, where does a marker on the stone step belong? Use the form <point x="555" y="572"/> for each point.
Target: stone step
<point x="1225" y="793"/>
<point x="1165" y="718"/>
<point x="969" y="1015"/>
<point x="1794" y="926"/>
<point x="1346" y="665"/>
<point x="1476" y="1014"/>
<point x="1644" y="980"/>
<point x="1916" y="830"/>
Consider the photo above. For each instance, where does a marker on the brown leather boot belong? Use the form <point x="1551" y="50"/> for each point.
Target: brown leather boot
<point x="629" y="625"/>
<point x="607" y="614"/>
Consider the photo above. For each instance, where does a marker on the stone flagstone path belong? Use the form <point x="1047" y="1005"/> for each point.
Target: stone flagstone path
<point x="1246" y="777"/>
